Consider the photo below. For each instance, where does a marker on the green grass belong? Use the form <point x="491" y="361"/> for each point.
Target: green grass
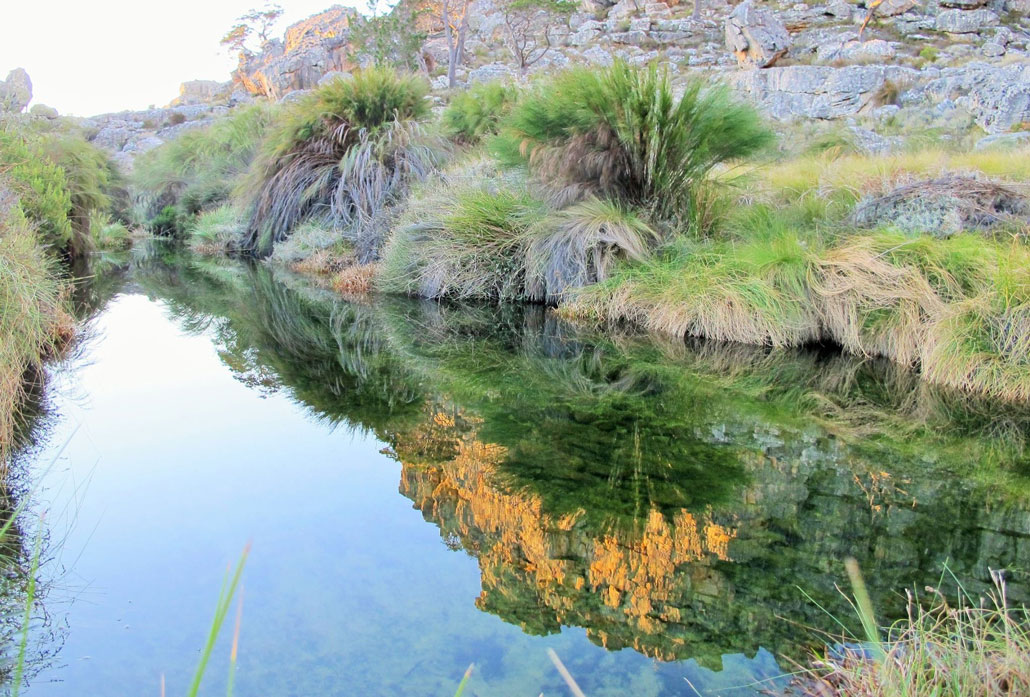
<point x="201" y="168"/>
<point x="216" y="231"/>
<point x="464" y="237"/>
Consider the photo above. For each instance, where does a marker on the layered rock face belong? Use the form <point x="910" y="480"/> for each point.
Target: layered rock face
<point x="310" y="49"/>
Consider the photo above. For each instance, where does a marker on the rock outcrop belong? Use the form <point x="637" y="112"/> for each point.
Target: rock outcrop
<point x="310" y="49"/>
<point x="15" y="91"/>
<point x="756" y="36"/>
<point x="127" y="134"/>
<point x="998" y="97"/>
<point x="817" y="92"/>
<point x="196" y="92"/>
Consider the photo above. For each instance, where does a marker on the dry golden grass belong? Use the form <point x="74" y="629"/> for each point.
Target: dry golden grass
<point x="355" y="280"/>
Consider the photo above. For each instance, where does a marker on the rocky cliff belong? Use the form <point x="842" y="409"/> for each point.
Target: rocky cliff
<point x="935" y="64"/>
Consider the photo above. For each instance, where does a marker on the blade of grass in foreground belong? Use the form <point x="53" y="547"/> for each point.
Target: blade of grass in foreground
<point x="865" y="608"/>
<point x="30" y="599"/>
<point x="221" y="610"/>
<point x="464" y="680"/>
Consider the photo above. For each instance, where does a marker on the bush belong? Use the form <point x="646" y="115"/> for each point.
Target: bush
<point x="478" y="111"/>
<point x="619" y="133"/>
<point x="41" y="185"/>
<point x="167" y="223"/>
<point x="343" y="155"/>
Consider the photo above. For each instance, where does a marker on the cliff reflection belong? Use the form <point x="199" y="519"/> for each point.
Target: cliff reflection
<point x="671" y="498"/>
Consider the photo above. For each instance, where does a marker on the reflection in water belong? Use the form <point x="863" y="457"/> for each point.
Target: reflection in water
<point x="675" y="499"/>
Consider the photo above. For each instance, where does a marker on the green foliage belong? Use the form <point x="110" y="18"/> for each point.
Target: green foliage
<point x="620" y="133"/>
<point x="167" y="223"/>
<point x="929" y="53"/>
<point x="200" y="169"/>
<point x="109" y="234"/>
<point x="478" y="111"/>
<point x="41" y="185"/>
<point x="344" y="154"/>
<point x="90" y="178"/>
<point x="391" y="39"/>
<point x="216" y="231"/>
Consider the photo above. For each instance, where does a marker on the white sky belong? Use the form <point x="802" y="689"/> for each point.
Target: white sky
<point x="88" y="58"/>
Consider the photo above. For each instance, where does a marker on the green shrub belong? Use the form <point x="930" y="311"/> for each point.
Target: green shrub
<point x="620" y="133"/>
<point x="477" y="112"/>
<point x="90" y="178"/>
<point x="41" y="185"/>
<point x="929" y="53"/>
<point x="344" y="154"/>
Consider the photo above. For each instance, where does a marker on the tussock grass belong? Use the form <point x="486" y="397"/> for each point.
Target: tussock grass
<point x="342" y="155"/>
<point x="580" y="245"/>
<point x="973" y="649"/>
<point x="755" y="292"/>
<point x="958" y="308"/>
<point x="217" y="231"/>
<point x="33" y="318"/>
<point x="464" y="236"/>
<point x="851" y="176"/>
<point x="620" y="133"/>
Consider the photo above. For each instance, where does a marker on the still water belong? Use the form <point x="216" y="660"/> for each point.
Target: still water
<point x="427" y="486"/>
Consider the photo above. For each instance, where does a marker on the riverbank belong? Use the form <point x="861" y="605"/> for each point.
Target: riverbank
<point x="56" y="194"/>
<point x="602" y="193"/>
<point x="34" y="321"/>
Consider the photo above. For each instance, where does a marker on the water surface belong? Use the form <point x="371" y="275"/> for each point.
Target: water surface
<point x="427" y="486"/>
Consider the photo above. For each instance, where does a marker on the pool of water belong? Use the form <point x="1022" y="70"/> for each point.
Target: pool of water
<point x="429" y="486"/>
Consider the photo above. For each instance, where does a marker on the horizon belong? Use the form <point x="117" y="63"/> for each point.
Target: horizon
<point x="118" y="42"/>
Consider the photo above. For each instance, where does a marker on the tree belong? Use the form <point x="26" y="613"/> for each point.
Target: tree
<point x="455" y="27"/>
<point x="530" y="24"/>
<point x="391" y="38"/>
<point x="263" y="20"/>
<point x="254" y="23"/>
